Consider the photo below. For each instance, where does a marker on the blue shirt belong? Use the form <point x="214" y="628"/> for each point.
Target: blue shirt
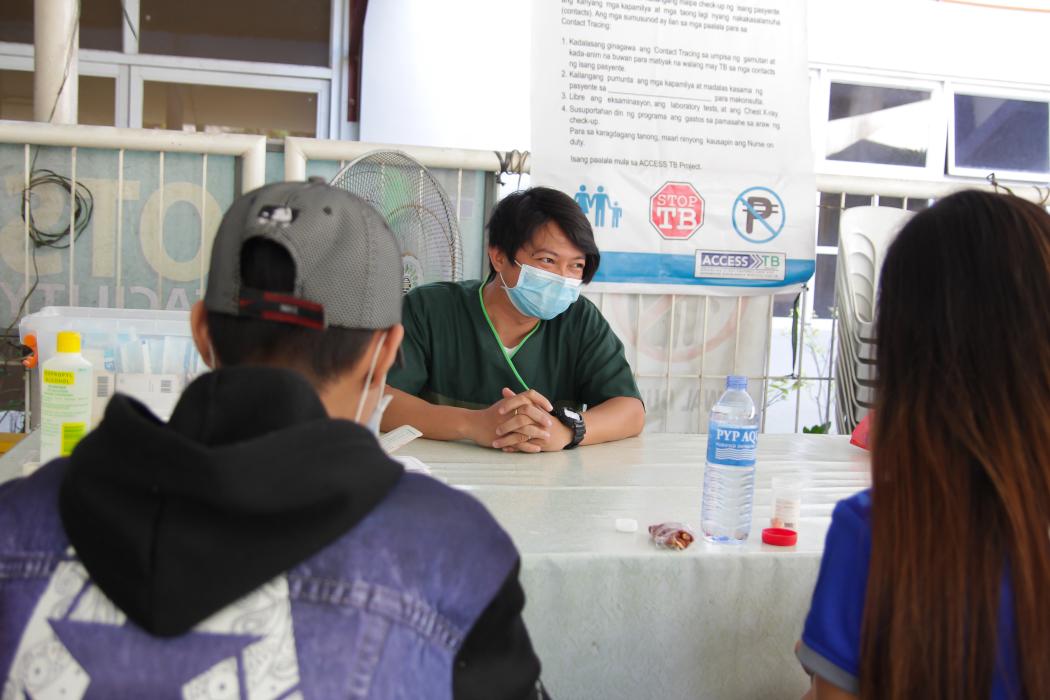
<point x="832" y="633"/>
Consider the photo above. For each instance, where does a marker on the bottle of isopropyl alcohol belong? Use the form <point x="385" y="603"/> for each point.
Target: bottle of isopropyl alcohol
<point x="729" y="476"/>
<point x="65" y="398"/>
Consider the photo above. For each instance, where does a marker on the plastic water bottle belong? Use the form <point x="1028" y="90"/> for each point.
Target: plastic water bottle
<point x="729" y="476"/>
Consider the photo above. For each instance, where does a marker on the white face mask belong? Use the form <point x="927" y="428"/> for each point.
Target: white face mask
<point x="377" y="415"/>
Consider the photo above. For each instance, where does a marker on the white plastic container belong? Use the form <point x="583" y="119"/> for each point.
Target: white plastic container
<point x="787" y="502"/>
<point x="144" y="353"/>
<point x="65" y="398"/>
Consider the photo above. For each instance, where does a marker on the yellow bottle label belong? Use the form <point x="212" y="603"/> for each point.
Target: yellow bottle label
<point x="55" y="376"/>
<point x="71" y="434"/>
<point x="65" y="404"/>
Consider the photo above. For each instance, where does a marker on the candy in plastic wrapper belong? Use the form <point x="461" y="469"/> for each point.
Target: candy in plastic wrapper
<point x="671" y="535"/>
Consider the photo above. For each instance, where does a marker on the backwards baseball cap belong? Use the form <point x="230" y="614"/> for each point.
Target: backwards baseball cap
<point x="348" y="270"/>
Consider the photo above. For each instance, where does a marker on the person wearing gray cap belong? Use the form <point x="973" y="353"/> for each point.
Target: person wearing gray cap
<point x="261" y="543"/>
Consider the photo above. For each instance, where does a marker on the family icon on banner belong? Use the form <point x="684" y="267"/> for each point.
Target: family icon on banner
<point x="597" y="203"/>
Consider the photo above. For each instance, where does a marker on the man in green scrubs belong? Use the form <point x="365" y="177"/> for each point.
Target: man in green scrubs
<point x="519" y="362"/>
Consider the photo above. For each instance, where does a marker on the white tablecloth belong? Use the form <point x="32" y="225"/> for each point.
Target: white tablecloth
<point x="610" y="615"/>
<point x="26" y="450"/>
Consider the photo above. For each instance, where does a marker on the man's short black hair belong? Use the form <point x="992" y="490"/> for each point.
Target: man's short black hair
<point x="516" y="217"/>
<point x="320" y="355"/>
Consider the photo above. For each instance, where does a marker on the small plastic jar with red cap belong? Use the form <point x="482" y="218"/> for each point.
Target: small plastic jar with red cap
<point x="780" y="537"/>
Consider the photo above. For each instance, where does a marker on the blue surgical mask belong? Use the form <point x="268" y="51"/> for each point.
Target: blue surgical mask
<point x="542" y="294"/>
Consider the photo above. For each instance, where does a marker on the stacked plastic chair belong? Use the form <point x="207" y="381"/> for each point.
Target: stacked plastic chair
<point x="864" y="235"/>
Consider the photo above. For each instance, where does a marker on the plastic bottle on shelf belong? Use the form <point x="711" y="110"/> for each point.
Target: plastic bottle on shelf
<point x="729" y="475"/>
<point x="65" y="398"/>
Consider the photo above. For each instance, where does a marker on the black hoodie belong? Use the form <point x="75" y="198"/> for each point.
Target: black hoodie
<point x="249" y="478"/>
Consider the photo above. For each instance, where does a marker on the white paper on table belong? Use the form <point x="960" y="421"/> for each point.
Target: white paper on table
<point x="411" y="464"/>
<point x="398" y="438"/>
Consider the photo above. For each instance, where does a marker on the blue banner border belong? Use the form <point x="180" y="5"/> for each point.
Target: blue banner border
<point x="666" y="268"/>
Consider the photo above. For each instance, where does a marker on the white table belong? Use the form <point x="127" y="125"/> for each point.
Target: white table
<point x="26" y="450"/>
<point x="610" y="615"/>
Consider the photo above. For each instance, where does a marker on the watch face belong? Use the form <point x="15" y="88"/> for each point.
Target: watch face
<point x="572" y="415"/>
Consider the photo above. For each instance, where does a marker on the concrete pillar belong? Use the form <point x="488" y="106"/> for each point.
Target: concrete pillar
<point x="56" y="41"/>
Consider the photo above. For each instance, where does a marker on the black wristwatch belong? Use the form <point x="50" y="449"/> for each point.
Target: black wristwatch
<point x="572" y="420"/>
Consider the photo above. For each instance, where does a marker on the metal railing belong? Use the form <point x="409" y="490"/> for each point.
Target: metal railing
<point x="297" y="151"/>
<point x="250" y="150"/>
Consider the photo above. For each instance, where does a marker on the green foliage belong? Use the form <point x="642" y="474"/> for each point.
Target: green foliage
<point x="780" y="388"/>
<point x="821" y="429"/>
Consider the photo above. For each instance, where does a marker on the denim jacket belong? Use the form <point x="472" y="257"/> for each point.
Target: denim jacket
<point x="379" y="613"/>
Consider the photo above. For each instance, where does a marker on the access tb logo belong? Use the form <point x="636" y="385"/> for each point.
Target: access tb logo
<point x="676" y="210"/>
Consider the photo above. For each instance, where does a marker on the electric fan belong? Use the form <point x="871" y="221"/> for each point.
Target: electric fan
<point x="416" y="209"/>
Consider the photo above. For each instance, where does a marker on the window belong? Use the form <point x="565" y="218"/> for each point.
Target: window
<point x="242" y="66"/>
<point x="96" y="100"/>
<point x="217" y="108"/>
<point x="882" y="125"/>
<point x="274" y="31"/>
<point x="1000" y="134"/>
<point x="16" y="94"/>
<point x="16" y="21"/>
<point x="100" y="23"/>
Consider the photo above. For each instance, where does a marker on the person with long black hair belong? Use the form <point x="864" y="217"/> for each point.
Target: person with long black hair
<point x="934" y="584"/>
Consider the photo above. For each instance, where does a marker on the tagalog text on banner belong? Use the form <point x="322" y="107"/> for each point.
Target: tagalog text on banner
<point x="681" y="129"/>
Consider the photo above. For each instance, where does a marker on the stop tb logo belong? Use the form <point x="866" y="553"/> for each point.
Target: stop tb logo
<point x="676" y="210"/>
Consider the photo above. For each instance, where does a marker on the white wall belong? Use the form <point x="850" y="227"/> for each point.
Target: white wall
<point x="925" y="37"/>
<point x="450" y="73"/>
<point x="456" y="73"/>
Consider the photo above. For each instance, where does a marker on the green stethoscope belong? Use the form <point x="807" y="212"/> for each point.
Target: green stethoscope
<point x="499" y="342"/>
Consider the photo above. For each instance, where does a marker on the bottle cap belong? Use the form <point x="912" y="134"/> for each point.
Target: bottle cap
<point x="626" y="525"/>
<point x="736" y="381"/>
<point x="780" y="537"/>
<point x="30" y="357"/>
<point x="68" y="341"/>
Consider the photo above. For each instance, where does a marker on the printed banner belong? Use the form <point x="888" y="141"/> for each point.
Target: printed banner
<point x="681" y="128"/>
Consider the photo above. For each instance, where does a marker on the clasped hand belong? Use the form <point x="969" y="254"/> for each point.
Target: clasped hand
<point x="522" y="423"/>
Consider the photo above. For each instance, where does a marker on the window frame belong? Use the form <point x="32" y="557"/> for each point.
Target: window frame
<point x="23" y="61"/>
<point x="130" y="68"/>
<point x="140" y="74"/>
<point x="1006" y="93"/>
<point x="935" y="144"/>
